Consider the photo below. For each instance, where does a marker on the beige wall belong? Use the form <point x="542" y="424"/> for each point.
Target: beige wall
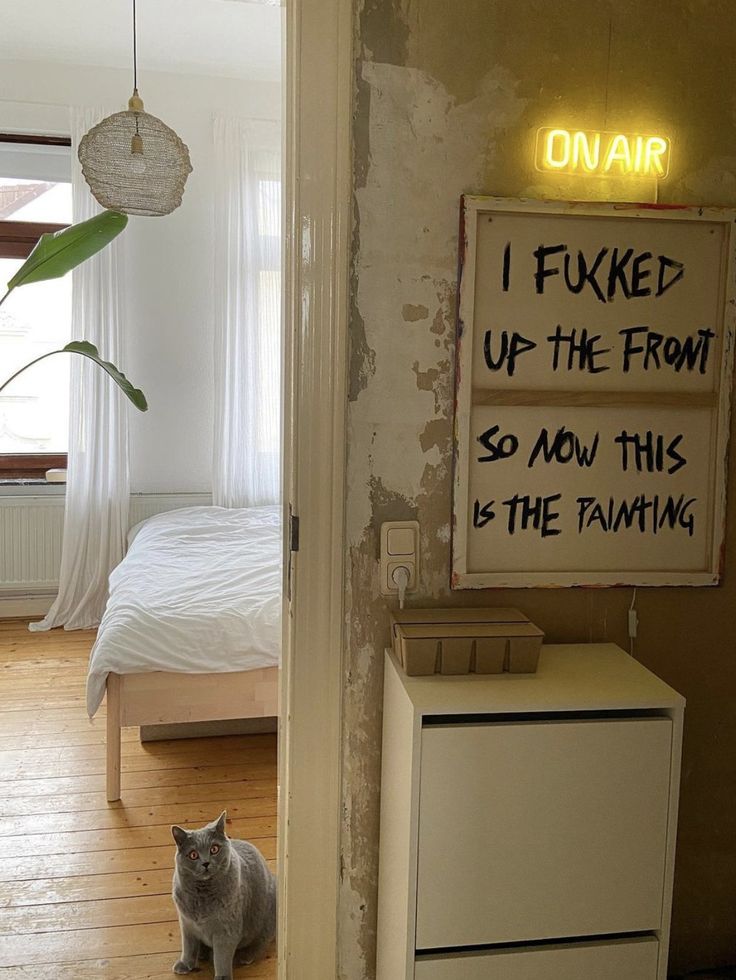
<point x="448" y="98"/>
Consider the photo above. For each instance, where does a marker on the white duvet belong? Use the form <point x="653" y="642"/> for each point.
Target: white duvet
<point x="199" y="591"/>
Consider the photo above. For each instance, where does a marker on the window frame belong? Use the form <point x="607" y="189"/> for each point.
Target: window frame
<point x="18" y="238"/>
<point x="17" y="241"/>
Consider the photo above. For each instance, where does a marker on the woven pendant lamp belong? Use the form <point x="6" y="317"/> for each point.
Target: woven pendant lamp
<point x="132" y="161"/>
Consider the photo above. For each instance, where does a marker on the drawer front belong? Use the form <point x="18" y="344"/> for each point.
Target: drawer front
<point x="541" y="830"/>
<point x="625" y="960"/>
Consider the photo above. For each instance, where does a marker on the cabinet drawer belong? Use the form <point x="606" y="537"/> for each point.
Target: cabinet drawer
<point x="537" y="830"/>
<point x="629" y="959"/>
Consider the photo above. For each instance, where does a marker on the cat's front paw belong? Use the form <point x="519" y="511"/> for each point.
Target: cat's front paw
<point x="181" y="967"/>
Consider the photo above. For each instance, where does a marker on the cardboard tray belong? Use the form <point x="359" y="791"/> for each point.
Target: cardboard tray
<point x="462" y="641"/>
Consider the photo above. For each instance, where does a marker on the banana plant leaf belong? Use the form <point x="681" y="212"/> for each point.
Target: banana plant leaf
<point x="57" y="254"/>
<point x="135" y="395"/>
<point x="83" y="347"/>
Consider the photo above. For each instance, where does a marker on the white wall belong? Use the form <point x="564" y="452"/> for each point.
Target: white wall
<point x="169" y="260"/>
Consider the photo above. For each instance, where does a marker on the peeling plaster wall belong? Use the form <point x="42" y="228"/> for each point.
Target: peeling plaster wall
<point x="448" y="98"/>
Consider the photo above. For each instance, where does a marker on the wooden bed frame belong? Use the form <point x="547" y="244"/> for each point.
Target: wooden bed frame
<point x="164" y="697"/>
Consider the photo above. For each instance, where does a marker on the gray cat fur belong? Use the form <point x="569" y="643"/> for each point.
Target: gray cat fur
<point x="228" y="906"/>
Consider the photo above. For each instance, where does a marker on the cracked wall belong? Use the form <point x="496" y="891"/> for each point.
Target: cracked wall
<point x="448" y="98"/>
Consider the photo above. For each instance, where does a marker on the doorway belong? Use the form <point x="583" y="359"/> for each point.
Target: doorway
<point x="317" y="209"/>
<point x="317" y="227"/>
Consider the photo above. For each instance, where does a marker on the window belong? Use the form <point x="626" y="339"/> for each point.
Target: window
<point x="35" y="198"/>
<point x="268" y="290"/>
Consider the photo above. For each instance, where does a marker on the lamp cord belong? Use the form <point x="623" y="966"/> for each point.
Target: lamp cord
<point x="135" y="52"/>
<point x="135" y="64"/>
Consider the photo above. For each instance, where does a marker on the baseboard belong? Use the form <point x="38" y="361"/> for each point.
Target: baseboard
<point x="206" y="729"/>
<point x="25" y="607"/>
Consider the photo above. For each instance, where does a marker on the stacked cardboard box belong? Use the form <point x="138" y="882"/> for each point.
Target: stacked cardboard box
<point x="462" y="641"/>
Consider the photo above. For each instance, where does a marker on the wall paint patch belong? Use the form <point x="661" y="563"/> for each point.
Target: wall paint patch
<point x="603" y="154"/>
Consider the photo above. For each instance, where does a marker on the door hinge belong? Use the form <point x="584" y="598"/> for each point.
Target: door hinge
<point x="293" y="546"/>
<point x="293" y="531"/>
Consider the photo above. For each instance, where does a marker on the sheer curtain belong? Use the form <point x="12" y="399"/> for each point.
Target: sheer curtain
<point x="247" y="278"/>
<point x="98" y="486"/>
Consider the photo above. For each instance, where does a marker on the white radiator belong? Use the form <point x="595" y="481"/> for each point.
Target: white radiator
<point x="30" y="544"/>
<point x="143" y="505"/>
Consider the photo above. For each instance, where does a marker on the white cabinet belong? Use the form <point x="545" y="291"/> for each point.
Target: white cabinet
<point x="634" y="959"/>
<point x="533" y="810"/>
<point x="541" y="830"/>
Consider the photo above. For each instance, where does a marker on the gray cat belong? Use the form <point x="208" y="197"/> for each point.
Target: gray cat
<point x="225" y="895"/>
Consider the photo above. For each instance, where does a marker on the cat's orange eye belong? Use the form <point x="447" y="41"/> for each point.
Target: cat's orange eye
<point x="214" y="849"/>
<point x="193" y="855"/>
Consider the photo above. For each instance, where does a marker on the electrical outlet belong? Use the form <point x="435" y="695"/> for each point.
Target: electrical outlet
<point x="399" y="546"/>
<point x="633" y="623"/>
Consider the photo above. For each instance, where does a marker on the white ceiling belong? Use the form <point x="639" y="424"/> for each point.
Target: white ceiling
<point x="232" y="38"/>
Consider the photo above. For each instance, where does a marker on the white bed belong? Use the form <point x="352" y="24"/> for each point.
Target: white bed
<point x="192" y="629"/>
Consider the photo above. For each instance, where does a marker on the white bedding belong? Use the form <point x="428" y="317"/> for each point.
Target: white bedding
<point x="199" y="591"/>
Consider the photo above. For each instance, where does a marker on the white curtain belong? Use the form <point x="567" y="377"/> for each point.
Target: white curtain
<point x="247" y="280"/>
<point x="98" y="486"/>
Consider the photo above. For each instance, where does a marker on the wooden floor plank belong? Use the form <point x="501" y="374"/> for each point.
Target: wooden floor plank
<point x="83" y="888"/>
<point x="52" y="719"/>
<point x="102" y="914"/>
<point x="250" y="828"/>
<point x="68" y="734"/>
<point x="63" y="785"/>
<point x="204" y="793"/>
<point x="135" y="758"/>
<point x="67" y="738"/>
<point x="20" y="662"/>
<point x="142" y="967"/>
<point x="85" y="885"/>
<point x="86" y="944"/>
<point x="92" y="888"/>
<point x="34" y="679"/>
<point x="29" y="867"/>
<point x="22" y="701"/>
<point x="192" y="814"/>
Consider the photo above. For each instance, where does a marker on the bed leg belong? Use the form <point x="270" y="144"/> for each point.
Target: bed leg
<point x="113" y="737"/>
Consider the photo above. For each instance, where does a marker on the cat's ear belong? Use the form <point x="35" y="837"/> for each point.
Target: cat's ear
<point x="220" y="825"/>
<point x="179" y="835"/>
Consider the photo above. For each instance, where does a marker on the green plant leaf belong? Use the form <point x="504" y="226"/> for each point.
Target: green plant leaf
<point x="86" y="349"/>
<point x="55" y="255"/>
<point x="89" y="350"/>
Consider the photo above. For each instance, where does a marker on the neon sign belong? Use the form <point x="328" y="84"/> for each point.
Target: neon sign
<point x="571" y="151"/>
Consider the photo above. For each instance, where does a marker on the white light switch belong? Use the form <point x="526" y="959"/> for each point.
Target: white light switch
<point x="399" y="548"/>
<point x="401" y="541"/>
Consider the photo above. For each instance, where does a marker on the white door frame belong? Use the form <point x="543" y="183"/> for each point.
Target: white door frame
<point x="317" y="216"/>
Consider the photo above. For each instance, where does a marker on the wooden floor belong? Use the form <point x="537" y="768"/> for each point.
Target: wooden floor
<point x="84" y="884"/>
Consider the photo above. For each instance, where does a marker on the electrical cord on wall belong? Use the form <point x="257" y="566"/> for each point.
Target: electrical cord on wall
<point x="633" y="622"/>
<point x="401" y="577"/>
